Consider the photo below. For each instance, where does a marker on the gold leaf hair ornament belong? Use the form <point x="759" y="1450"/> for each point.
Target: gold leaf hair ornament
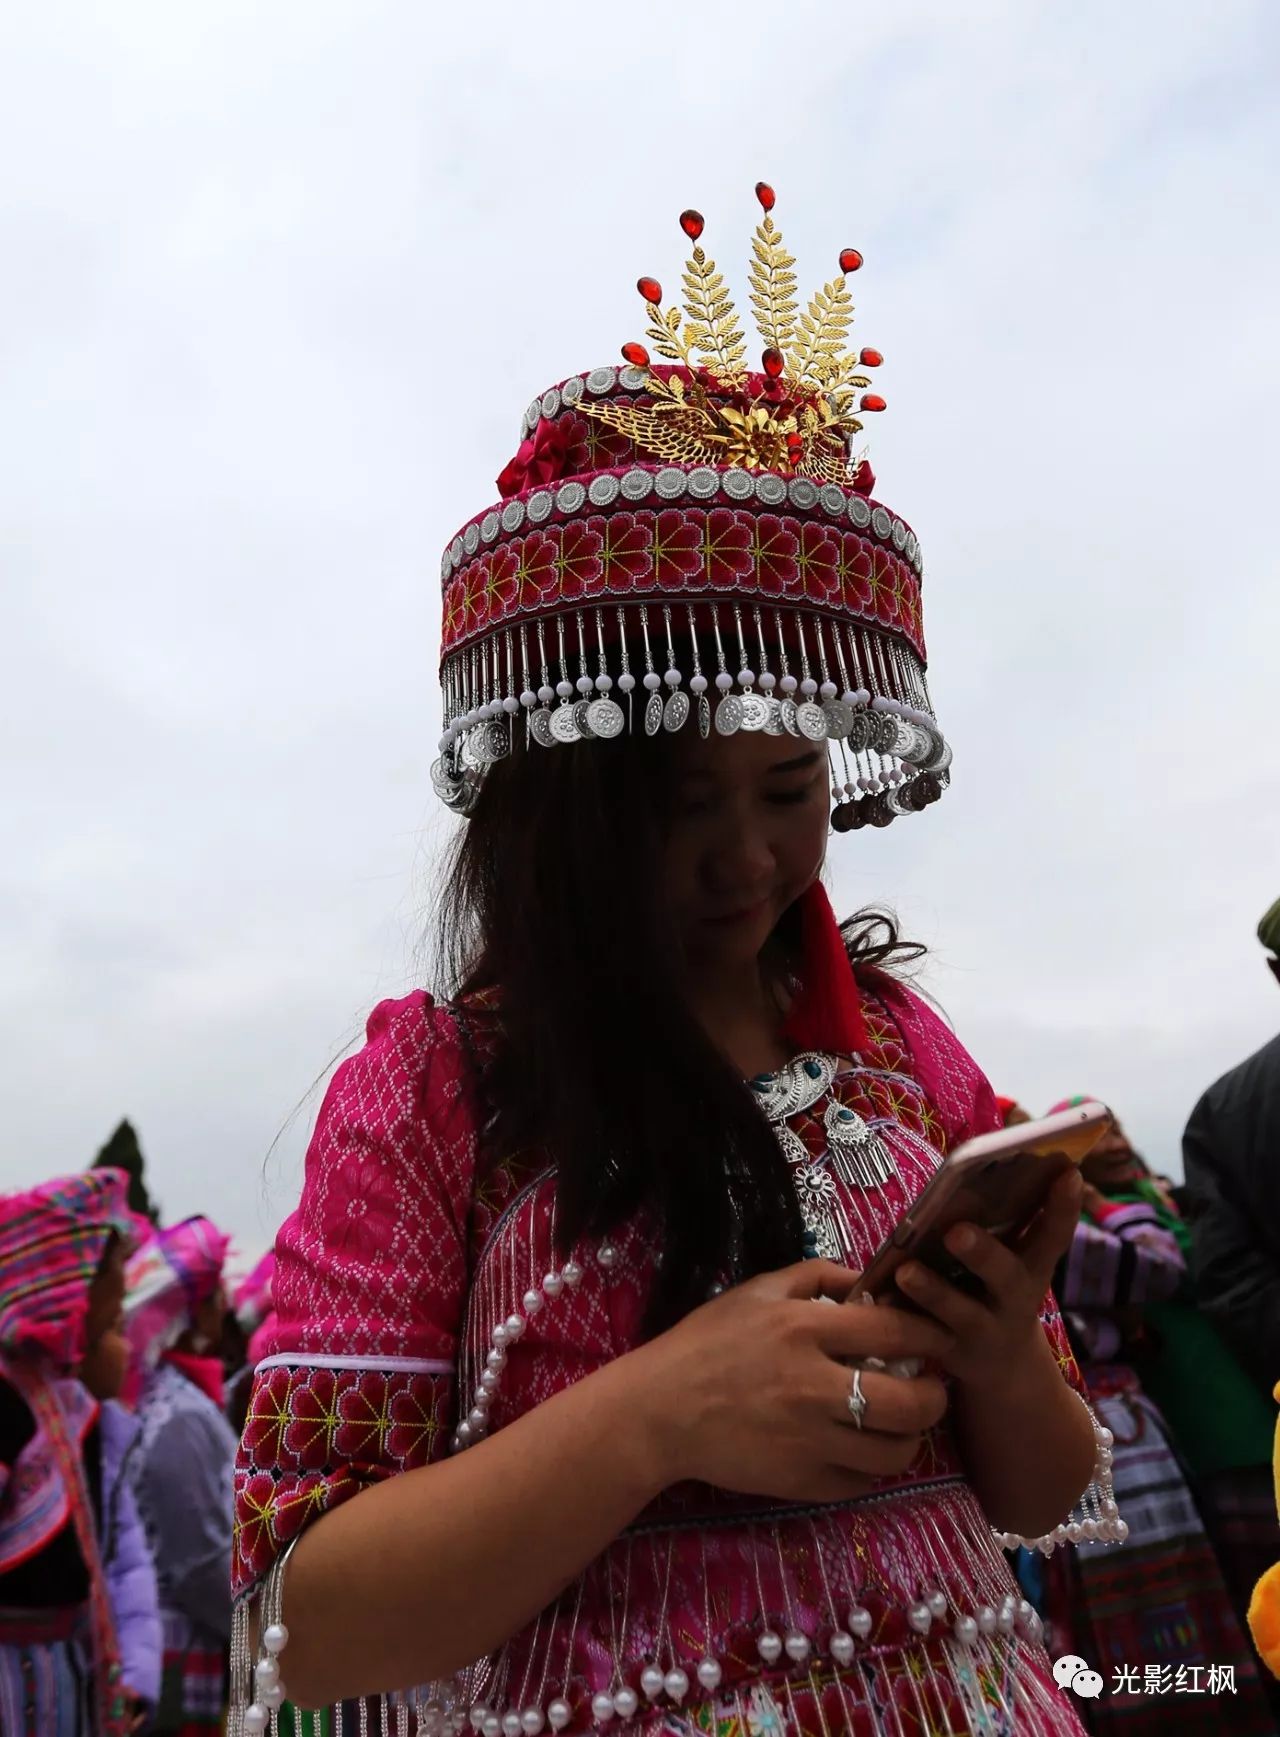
<point x="798" y="415"/>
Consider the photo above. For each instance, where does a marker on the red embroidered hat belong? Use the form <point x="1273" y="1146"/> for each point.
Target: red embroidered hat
<point x="687" y="541"/>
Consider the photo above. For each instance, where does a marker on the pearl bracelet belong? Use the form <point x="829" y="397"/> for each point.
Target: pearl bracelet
<point x="1101" y="1520"/>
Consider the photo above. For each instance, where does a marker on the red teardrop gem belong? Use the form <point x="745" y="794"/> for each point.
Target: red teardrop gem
<point x="772" y="360"/>
<point x="795" y="441"/>
<point x="636" y="354"/>
<point x="871" y="401"/>
<point x="850" y="259"/>
<point x="650" y="289"/>
<point x="693" y="223"/>
<point x="870" y="358"/>
<point x="766" y="195"/>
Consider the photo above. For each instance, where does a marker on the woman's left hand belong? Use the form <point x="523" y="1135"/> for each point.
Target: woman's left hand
<point x="994" y="1332"/>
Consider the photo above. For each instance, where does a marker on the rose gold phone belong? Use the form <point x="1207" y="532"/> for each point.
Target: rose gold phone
<point x="998" y="1181"/>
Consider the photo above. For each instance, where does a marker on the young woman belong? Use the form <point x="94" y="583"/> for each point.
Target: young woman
<point x="567" y="1414"/>
<point x="78" y="1640"/>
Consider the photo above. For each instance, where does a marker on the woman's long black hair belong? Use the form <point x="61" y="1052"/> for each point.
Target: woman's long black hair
<point x="553" y="897"/>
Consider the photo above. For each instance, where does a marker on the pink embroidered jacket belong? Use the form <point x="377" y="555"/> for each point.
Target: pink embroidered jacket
<point x="406" y="1268"/>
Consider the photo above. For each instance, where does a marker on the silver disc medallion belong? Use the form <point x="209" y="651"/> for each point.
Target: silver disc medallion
<point x="884" y="732"/>
<point x="755" y="712"/>
<point x="789" y="723"/>
<point x="582" y="719"/>
<point x="773" y="723"/>
<point x="653" y="715"/>
<point x="605" y="717"/>
<point x="839" y="717"/>
<point x="704" y="716"/>
<point x="563" y="727"/>
<point x="859" y="733"/>
<point x="443" y="781"/>
<point x="812" y="721"/>
<point x="540" y="727"/>
<point x="676" y="710"/>
<point x="729" y="715"/>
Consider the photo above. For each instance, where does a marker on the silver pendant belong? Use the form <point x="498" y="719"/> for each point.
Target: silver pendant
<point x="773" y="723"/>
<point x="812" y="721"/>
<point x="816" y="1192"/>
<point x="540" y="727"/>
<point x="582" y="719"/>
<point x="704" y="716"/>
<point x="729" y="715"/>
<point x="653" y="715"/>
<point x="605" y="717"/>
<point x="676" y="710"/>
<point x="858" y="1155"/>
<point x="563" y="726"/>
<point x="839" y="717"/>
<point x="755" y="712"/>
<point x="795" y="1087"/>
<point x="789" y="724"/>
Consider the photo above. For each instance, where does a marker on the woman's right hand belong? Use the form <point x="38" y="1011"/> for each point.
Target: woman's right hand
<point x="749" y="1391"/>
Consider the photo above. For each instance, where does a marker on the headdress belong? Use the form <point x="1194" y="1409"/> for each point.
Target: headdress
<point x="168" y="1280"/>
<point x="688" y="541"/>
<point x="52" y="1240"/>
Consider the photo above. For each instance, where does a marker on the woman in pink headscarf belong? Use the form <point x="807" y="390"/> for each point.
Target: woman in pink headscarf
<point x="79" y="1631"/>
<point x="182" y="1469"/>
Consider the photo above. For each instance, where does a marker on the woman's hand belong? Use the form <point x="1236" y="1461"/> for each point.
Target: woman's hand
<point x="994" y="1334"/>
<point x="749" y="1392"/>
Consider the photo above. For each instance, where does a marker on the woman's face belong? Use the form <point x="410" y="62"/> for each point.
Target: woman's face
<point x="1113" y="1161"/>
<point x="749" y="823"/>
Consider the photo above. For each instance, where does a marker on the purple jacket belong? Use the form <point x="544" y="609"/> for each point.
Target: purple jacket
<point x="126" y="1559"/>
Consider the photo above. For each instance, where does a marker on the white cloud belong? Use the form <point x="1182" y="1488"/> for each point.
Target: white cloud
<point x="275" y="284"/>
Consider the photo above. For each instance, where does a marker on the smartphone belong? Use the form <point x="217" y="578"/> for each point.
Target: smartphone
<point x="998" y="1181"/>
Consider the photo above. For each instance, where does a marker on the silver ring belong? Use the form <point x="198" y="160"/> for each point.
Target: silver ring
<point x="857" y="1400"/>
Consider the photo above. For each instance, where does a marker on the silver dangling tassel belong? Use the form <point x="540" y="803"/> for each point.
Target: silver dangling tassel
<point x="653" y="710"/>
<point x="626" y="681"/>
<point x="697" y="681"/>
<point x="604" y="714"/>
<point x="676" y="710"/>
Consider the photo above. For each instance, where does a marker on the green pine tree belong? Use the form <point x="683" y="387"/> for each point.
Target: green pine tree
<point x="122" y="1152"/>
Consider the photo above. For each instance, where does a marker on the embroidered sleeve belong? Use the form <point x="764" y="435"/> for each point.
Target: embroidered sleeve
<point x="1128" y="1258"/>
<point x="369" y="1288"/>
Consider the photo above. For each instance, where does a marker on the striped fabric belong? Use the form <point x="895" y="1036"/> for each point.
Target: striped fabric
<point x="52" y="1240"/>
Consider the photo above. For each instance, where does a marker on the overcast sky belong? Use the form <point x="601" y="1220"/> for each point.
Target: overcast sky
<point x="276" y="283"/>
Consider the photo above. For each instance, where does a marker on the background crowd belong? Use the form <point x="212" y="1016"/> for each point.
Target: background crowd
<point x="124" y="1383"/>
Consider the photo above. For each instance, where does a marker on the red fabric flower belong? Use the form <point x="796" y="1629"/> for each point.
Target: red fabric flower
<point x="774" y="547"/>
<point x="535" y="572"/>
<point x="540" y="459"/>
<point x="626" y="551"/>
<point x="726" y="546"/>
<point x="418" y="1418"/>
<point x="817" y="561"/>
<point x="307" y="1441"/>
<point x="578" y="564"/>
<point x="853" y="571"/>
<point x="677" y="548"/>
<point x="269" y="1414"/>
